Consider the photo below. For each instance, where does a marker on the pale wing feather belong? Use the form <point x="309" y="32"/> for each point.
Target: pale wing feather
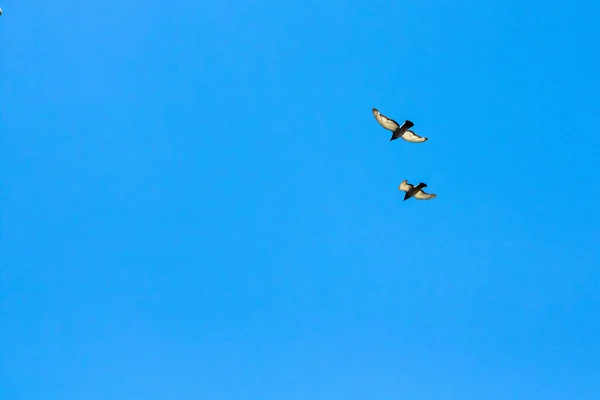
<point x="404" y="186"/>
<point x="384" y="121"/>
<point x="410" y="136"/>
<point x="421" y="195"/>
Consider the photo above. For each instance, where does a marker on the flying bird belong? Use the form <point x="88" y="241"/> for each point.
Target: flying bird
<point x="397" y="129"/>
<point x="416" y="191"/>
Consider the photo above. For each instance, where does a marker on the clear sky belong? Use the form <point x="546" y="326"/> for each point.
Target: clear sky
<point x="197" y="203"/>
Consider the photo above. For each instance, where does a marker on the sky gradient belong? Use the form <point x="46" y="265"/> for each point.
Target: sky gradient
<point x="197" y="203"/>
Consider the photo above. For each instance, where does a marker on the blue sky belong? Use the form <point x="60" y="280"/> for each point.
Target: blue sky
<point x="197" y="203"/>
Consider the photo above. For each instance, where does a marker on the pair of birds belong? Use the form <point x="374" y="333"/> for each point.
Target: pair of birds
<point x="403" y="131"/>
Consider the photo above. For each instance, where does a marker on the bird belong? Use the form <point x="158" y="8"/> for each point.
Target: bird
<point x="416" y="191"/>
<point x="397" y="129"/>
<point x="0" y="11"/>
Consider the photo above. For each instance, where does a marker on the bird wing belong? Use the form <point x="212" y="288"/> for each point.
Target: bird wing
<point x="421" y="195"/>
<point x="384" y="121"/>
<point x="410" y="136"/>
<point x="404" y="186"/>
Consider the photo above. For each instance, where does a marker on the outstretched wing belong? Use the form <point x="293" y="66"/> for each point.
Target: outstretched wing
<point x="405" y="186"/>
<point x="421" y="195"/>
<point x="384" y="121"/>
<point x="412" y="137"/>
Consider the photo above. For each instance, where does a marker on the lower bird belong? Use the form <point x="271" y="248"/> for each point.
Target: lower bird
<point x="398" y="130"/>
<point x="415" y="191"/>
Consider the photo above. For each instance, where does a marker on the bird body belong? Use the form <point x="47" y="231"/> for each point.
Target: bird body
<point x="415" y="191"/>
<point x="398" y="130"/>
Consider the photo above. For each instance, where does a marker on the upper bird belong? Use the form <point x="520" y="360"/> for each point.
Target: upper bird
<point x="397" y="129"/>
<point x="416" y="191"/>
